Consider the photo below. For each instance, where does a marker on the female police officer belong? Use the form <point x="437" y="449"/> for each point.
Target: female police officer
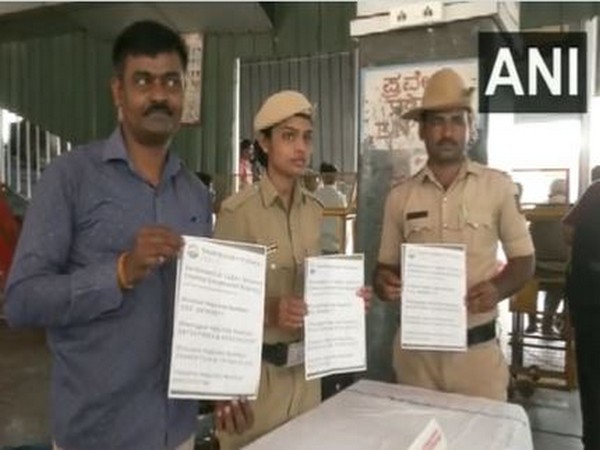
<point x="278" y="213"/>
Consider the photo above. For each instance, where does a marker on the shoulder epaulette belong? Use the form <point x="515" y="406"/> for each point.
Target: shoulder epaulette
<point x="497" y="171"/>
<point x="395" y="184"/>
<point x="417" y="173"/>
<point x="501" y="174"/>
<point x="309" y="195"/>
<point x="239" y="198"/>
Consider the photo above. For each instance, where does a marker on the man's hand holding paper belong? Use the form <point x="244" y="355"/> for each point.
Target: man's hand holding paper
<point x="482" y="297"/>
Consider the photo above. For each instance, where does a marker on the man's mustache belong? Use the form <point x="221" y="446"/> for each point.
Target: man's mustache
<point x="447" y="142"/>
<point x="158" y="107"/>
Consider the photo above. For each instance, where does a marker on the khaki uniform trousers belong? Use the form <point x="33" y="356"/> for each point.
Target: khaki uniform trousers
<point x="481" y="371"/>
<point x="283" y="394"/>
<point x="186" y="445"/>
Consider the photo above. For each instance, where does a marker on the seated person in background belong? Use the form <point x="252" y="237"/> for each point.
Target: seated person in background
<point x="207" y="181"/>
<point x="595" y="173"/>
<point x="551" y="254"/>
<point x="310" y="180"/>
<point x="331" y="197"/>
<point x="519" y="187"/>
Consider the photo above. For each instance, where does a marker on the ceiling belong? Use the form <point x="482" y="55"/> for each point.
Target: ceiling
<point x="25" y="19"/>
<point x="21" y="20"/>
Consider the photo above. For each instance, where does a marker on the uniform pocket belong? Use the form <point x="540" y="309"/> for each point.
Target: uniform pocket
<point x="279" y="271"/>
<point x="418" y="230"/>
<point x="478" y="230"/>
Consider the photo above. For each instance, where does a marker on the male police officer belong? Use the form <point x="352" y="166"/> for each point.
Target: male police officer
<point x="455" y="200"/>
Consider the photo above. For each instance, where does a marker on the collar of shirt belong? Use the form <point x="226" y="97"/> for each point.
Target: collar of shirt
<point x="114" y="149"/>
<point x="467" y="167"/>
<point x="269" y="194"/>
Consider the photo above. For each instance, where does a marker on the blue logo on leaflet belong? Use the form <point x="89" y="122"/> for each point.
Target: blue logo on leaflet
<point x="192" y="251"/>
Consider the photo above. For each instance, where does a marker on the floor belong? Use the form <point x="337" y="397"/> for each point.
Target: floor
<point x="555" y="419"/>
<point x="554" y="414"/>
<point x="25" y="366"/>
<point x="24" y="373"/>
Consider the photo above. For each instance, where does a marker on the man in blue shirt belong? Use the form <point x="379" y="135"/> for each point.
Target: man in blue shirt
<point x="95" y="263"/>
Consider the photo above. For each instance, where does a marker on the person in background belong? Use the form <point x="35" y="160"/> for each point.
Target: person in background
<point x="245" y="171"/>
<point x="95" y="263"/>
<point x="581" y="232"/>
<point x="9" y="234"/>
<point x="207" y="181"/>
<point x="205" y="178"/>
<point x="519" y="193"/>
<point x="595" y="173"/>
<point x="551" y="256"/>
<point x="279" y="213"/>
<point x="330" y="197"/>
<point x="311" y="180"/>
<point x="259" y="161"/>
<point x="454" y="200"/>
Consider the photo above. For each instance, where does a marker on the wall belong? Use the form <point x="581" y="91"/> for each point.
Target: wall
<point x="62" y="82"/>
<point x="301" y="29"/>
<point x="326" y="80"/>
<point x="59" y="82"/>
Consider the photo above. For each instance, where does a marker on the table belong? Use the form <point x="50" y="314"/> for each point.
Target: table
<point x="372" y="415"/>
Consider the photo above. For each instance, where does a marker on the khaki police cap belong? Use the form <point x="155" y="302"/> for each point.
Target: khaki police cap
<point x="279" y="107"/>
<point x="444" y="90"/>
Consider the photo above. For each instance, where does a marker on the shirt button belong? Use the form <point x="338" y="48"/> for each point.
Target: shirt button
<point x="445" y="226"/>
<point x="445" y="199"/>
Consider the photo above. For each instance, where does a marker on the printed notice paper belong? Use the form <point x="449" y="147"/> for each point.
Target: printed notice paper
<point x="433" y="311"/>
<point x="218" y="320"/>
<point x="335" y="324"/>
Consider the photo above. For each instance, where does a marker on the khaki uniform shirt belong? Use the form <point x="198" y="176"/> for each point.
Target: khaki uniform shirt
<point x="257" y="215"/>
<point x="479" y="209"/>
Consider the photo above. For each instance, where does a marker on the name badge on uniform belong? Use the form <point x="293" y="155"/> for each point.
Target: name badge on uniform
<point x="295" y="354"/>
<point x="416" y="215"/>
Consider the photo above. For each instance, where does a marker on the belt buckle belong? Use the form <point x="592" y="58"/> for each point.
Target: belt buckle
<point x="295" y="354"/>
<point x="481" y="333"/>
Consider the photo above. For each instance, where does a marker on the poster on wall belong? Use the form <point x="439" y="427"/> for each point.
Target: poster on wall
<point x="387" y="93"/>
<point x="192" y="94"/>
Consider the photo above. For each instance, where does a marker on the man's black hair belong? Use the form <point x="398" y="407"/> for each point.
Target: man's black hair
<point x="205" y="178"/>
<point x="326" y="167"/>
<point x="246" y="143"/>
<point x="147" y="38"/>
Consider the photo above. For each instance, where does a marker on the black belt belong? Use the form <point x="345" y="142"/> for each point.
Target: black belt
<point x="481" y="333"/>
<point x="275" y="354"/>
